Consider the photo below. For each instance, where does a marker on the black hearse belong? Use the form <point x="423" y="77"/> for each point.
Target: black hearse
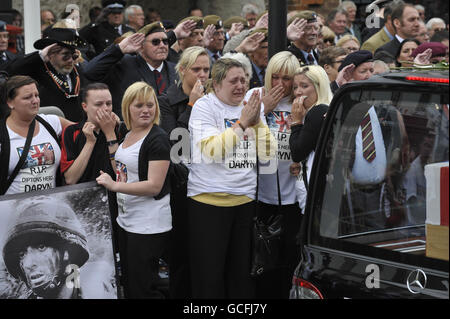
<point x="364" y="233"/>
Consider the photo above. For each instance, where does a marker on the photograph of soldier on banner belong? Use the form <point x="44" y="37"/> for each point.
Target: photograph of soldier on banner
<point x="57" y="244"/>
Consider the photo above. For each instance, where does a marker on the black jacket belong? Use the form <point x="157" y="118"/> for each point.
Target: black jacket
<point x="390" y="47"/>
<point x="102" y="35"/>
<point x="254" y="81"/>
<point x="174" y="109"/>
<point x="119" y="71"/>
<point x="49" y="93"/>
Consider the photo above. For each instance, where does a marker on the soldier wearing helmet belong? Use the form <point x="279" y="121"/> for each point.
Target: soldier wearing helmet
<point x="45" y="244"/>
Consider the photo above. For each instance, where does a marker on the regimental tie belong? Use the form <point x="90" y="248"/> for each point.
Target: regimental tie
<point x="310" y="59"/>
<point x="368" y="141"/>
<point x="160" y="83"/>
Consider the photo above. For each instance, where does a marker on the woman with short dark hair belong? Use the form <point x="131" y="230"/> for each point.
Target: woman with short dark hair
<point x="19" y="132"/>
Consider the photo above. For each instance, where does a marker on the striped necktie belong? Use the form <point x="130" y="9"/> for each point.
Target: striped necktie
<point x="368" y="143"/>
<point x="159" y="82"/>
<point x="310" y="59"/>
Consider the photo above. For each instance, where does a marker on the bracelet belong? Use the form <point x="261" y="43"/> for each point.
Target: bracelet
<point x="240" y="124"/>
<point x="111" y="143"/>
<point x="112" y="156"/>
<point x="296" y="123"/>
<point x="190" y="104"/>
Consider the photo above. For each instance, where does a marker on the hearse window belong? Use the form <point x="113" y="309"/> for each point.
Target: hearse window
<point x="376" y="190"/>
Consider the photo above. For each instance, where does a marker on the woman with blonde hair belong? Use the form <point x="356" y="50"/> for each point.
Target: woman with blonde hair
<point x="176" y="106"/>
<point x="311" y="97"/>
<point x="142" y="162"/>
<point x="276" y="191"/>
<point x="349" y="42"/>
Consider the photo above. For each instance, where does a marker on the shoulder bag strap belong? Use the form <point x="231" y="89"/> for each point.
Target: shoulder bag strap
<point x="304" y="173"/>
<point x="26" y="148"/>
<point x="48" y="127"/>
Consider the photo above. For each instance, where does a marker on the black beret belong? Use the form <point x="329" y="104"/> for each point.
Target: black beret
<point x="356" y="58"/>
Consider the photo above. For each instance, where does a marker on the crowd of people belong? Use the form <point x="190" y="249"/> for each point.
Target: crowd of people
<point x="130" y="89"/>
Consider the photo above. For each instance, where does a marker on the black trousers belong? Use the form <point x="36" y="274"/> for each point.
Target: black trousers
<point x="139" y="260"/>
<point x="180" y="277"/>
<point x="276" y="284"/>
<point x="220" y="242"/>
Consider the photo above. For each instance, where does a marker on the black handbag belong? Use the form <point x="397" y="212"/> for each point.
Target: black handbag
<point x="266" y="246"/>
<point x="266" y="238"/>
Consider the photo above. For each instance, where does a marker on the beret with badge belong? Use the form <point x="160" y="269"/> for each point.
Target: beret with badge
<point x="198" y="20"/>
<point x="356" y="58"/>
<point x="308" y="15"/>
<point x="214" y="20"/>
<point x="152" y="28"/>
<point x="228" y="23"/>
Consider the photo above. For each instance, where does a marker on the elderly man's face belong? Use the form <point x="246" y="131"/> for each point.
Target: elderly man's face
<point x="218" y="41"/>
<point x="423" y="34"/>
<point x="339" y="23"/>
<point x="155" y="50"/>
<point x="261" y="55"/>
<point x="194" y="39"/>
<point x="40" y="264"/>
<point x="63" y="60"/>
<point x="4" y="36"/>
<point x="251" y="19"/>
<point x="311" y="35"/>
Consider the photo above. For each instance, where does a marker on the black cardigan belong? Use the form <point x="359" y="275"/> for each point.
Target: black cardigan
<point x="304" y="137"/>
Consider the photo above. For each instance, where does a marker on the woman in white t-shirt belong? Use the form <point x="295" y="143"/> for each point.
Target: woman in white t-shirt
<point x="226" y="134"/>
<point x="41" y="166"/>
<point x="142" y="163"/>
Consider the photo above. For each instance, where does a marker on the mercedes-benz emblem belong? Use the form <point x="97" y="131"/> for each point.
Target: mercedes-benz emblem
<point x="416" y="282"/>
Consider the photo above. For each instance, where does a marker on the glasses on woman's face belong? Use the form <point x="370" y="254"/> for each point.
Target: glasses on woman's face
<point x="156" y="42"/>
<point x="330" y="41"/>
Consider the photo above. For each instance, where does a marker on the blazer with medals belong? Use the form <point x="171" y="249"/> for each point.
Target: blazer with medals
<point x="119" y="71"/>
<point x="51" y="87"/>
<point x="299" y="54"/>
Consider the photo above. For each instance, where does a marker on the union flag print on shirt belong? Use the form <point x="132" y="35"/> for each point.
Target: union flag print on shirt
<point x="41" y="154"/>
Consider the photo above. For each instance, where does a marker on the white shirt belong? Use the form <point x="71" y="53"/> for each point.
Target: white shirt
<point x="278" y="125"/>
<point x="236" y="174"/>
<point x="374" y="172"/>
<point x="139" y="214"/>
<point x="42" y="162"/>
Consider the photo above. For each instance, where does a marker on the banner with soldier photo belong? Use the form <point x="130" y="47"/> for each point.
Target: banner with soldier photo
<point x="57" y="244"/>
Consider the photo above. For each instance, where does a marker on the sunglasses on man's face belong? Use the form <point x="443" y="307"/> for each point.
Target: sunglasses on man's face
<point x="156" y="42"/>
<point x="68" y="56"/>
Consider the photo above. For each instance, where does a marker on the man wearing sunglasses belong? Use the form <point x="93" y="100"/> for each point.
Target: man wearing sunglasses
<point x="139" y="57"/>
<point x="55" y="67"/>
